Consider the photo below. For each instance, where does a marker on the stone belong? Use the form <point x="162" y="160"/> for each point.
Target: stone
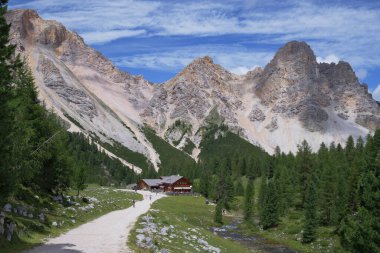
<point x="256" y="114"/>
<point x="7" y="208"/>
<point x="41" y="217"/>
<point x="30" y="215"/>
<point x="57" y="198"/>
<point x="11" y="227"/>
<point x="54" y="224"/>
<point x="164" y="231"/>
<point x="2" y="220"/>
<point x="272" y="126"/>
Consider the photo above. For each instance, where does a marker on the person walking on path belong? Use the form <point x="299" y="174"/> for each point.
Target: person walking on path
<point x="133" y="202"/>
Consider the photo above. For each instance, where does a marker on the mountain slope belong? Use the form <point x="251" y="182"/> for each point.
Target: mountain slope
<point x="293" y="98"/>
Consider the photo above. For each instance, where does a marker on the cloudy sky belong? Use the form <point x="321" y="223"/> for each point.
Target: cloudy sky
<point x="158" y="38"/>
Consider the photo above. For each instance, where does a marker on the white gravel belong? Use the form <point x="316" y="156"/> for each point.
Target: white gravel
<point x="107" y="234"/>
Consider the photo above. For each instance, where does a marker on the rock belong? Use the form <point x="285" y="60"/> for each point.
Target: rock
<point x="203" y="242"/>
<point x="370" y="121"/>
<point x="164" y="251"/>
<point x="164" y="231"/>
<point x="41" y="217"/>
<point x="73" y="221"/>
<point x="343" y="116"/>
<point x="57" y="198"/>
<point x="214" y="249"/>
<point x="93" y="200"/>
<point x="30" y="215"/>
<point x="313" y="118"/>
<point x="256" y="114"/>
<point x="54" y="224"/>
<point x="148" y="242"/>
<point x="2" y="220"/>
<point x="140" y="237"/>
<point x="272" y="125"/>
<point x="11" y="227"/>
<point x="7" y="208"/>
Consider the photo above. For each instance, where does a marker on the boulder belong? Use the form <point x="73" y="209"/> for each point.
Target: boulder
<point x="41" y="217"/>
<point x="11" y="227"/>
<point x="7" y="208"/>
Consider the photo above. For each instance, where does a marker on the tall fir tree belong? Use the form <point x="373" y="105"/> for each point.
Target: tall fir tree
<point x="249" y="198"/>
<point x="311" y="222"/>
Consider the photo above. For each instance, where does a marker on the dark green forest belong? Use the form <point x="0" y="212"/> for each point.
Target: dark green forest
<point x="336" y="186"/>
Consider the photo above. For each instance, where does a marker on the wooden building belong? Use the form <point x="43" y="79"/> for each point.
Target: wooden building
<point x="172" y="183"/>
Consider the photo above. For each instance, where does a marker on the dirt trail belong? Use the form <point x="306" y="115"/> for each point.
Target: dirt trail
<point x="107" y="234"/>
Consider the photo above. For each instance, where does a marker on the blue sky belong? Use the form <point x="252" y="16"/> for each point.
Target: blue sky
<point x="158" y="38"/>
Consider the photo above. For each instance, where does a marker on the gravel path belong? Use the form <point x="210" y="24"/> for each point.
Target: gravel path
<point x="107" y="234"/>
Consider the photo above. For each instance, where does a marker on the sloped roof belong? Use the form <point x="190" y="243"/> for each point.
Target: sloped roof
<point x="163" y="180"/>
<point x="152" y="182"/>
<point x="171" y="179"/>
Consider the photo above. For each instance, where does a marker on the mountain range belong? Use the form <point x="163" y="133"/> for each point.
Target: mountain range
<point x="293" y="98"/>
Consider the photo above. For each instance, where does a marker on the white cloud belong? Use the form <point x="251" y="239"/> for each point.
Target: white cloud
<point x="330" y="29"/>
<point x="361" y="73"/>
<point x="242" y="70"/>
<point x="107" y="36"/>
<point x="236" y="59"/>
<point x="332" y="58"/>
<point x="376" y="93"/>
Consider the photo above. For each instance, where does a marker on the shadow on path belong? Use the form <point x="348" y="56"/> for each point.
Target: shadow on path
<point x="55" y="248"/>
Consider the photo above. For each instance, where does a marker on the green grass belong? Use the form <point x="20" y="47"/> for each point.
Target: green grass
<point x="34" y="231"/>
<point x="185" y="213"/>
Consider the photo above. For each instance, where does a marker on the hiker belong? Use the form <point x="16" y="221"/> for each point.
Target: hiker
<point x="150" y="197"/>
<point x="133" y="203"/>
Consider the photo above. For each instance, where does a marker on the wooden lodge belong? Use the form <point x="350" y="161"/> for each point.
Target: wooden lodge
<point x="177" y="184"/>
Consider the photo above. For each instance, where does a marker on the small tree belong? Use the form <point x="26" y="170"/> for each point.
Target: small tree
<point x="80" y="178"/>
<point x="218" y="217"/>
<point x="249" y="200"/>
<point x="311" y="222"/>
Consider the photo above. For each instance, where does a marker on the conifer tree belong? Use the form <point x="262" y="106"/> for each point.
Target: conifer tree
<point x="218" y="216"/>
<point x="311" y="223"/>
<point x="249" y="200"/>
<point x="269" y="212"/>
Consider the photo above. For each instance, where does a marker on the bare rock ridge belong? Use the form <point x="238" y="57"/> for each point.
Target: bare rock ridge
<point x="291" y="99"/>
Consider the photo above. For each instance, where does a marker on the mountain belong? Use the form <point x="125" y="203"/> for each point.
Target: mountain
<point x="293" y="98"/>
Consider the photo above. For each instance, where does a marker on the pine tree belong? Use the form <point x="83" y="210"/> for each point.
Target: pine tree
<point x="239" y="188"/>
<point x="249" y="200"/>
<point x="311" y="223"/>
<point x="8" y="64"/>
<point x="269" y="212"/>
<point x="305" y="163"/>
<point x="218" y="216"/>
<point x="80" y="178"/>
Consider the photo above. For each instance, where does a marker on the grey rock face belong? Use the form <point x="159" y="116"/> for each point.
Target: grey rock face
<point x="272" y="125"/>
<point x="369" y="120"/>
<point x="256" y="114"/>
<point x="75" y="97"/>
<point x="313" y="118"/>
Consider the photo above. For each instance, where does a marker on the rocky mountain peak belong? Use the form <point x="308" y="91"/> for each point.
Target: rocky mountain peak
<point x="202" y="72"/>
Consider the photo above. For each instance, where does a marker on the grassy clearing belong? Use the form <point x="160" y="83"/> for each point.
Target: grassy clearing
<point x="186" y="214"/>
<point x="31" y="231"/>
